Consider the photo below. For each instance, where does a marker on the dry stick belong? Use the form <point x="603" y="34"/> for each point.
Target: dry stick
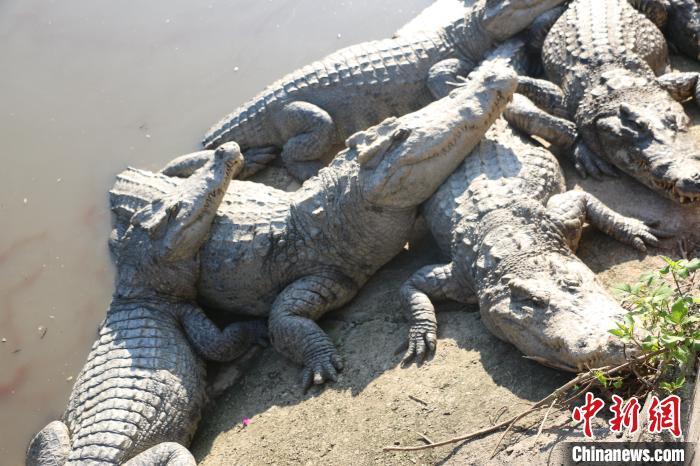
<point x="552" y="396"/>
<point x="544" y="419"/>
<point x="425" y="437"/>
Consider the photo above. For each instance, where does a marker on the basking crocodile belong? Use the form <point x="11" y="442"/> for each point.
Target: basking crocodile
<point x="684" y="26"/>
<point x="606" y="82"/>
<point x="295" y="256"/>
<point x="514" y="256"/>
<point x="138" y="399"/>
<point x="308" y="113"/>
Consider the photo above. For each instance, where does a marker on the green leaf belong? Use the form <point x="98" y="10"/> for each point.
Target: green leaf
<point x="678" y="311"/>
<point x="681" y="354"/>
<point x="669" y="261"/>
<point x="683" y="273"/>
<point x="693" y="265"/>
<point x="618" y="332"/>
<point x="647" y="278"/>
<point x="669" y="340"/>
<point x="666" y="386"/>
<point x="623" y="287"/>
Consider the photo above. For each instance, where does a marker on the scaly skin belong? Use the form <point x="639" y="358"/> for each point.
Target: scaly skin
<point x="683" y="27"/>
<point x="514" y="256"/>
<point x="138" y="399"/>
<point x="625" y="115"/>
<point x="307" y="114"/>
<point x="295" y="256"/>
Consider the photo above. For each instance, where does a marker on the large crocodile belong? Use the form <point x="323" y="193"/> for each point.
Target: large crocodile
<point x="308" y="113"/>
<point x="514" y="256"/>
<point x="606" y="82"/>
<point x="138" y="399"/>
<point x="683" y="27"/>
<point x="295" y="256"/>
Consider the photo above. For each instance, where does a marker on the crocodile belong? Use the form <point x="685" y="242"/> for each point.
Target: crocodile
<point x="610" y="103"/>
<point x="307" y="114"/>
<point x="683" y="28"/>
<point x="138" y="399"/>
<point x="293" y="256"/>
<point x="510" y="231"/>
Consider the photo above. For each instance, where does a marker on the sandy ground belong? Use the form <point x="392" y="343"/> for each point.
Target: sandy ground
<point x="473" y="380"/>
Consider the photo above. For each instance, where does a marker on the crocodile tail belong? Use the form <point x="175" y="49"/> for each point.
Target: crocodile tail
<point x="141" y="385"/>
<point x="246" y="125"/>
<point x="50" y="447"/>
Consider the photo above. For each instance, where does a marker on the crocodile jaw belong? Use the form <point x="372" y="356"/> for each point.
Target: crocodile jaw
<point x="550" y="305"/>
<point x="505" y="18"/>
<point x="403" y="161"/>
<point x="649" y="140"/>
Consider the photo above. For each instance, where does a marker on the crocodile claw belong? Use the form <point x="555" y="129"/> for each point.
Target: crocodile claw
<point x="422" y="341"/>
<point x="587" y="163"/>
<point x="321" y="369"/>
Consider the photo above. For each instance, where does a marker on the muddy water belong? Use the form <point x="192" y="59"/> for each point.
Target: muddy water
<point x="88" y="87"/>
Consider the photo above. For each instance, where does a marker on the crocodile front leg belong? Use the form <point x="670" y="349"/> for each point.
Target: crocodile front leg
<point x="293" y="331"/>
<point x="444" y="74"/>
<point x="224" y="345"/>
<point x="545" y="94"/>
<point x="436" y="282"/>
<point x="310" y="134"/>
<point x="574" y="208"/>
<point x="163" y="454"/>
<point x="681" y="86"/>
<point x="527" y="117"/>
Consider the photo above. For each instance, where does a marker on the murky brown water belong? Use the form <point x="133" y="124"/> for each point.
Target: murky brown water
<point x="86" y="88"/>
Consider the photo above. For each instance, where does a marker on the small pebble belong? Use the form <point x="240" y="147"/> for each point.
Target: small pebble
<point x="235" y="69"/>
<point x="69" y="378"/>
<point x="25" y="200"/>
<point x="4" y="340"/>
<point x="339" y="36"/>
<point x="148" y="136"/>
<point x="42" y="331"/>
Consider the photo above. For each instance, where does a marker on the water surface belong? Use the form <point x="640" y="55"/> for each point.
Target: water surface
<point x="88" y="87"/>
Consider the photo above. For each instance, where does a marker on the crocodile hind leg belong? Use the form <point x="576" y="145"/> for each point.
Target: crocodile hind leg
<point x="573" y="208"/>
<point x="443" y="76"/>
<point x="224" y="345"/>
<point x="436" y="282"/>
<point x="310" y="135"/>
<point x="293" y="331"/>
<point x="50" y="447"/>
<point x="163" y="454"/>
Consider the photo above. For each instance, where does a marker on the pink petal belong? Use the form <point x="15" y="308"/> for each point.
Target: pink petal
<point x="246" y="421"/>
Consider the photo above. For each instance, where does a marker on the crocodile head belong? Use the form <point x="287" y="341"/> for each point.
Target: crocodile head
<point x="502" y="19"/>
<point x="536" y="294"/>
<point x="158" y="248"/>
<point x="649" y="140"/>
<point x="404" y="160"/>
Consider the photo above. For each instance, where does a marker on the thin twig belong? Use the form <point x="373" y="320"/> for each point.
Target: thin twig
<point x="544" y="419"/>
<point x="425" y="437"/>
<point x="556" y="394"/>
<point x="415" y="398"/>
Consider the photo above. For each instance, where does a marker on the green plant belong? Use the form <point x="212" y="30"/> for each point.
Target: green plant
<point x="663" y="325"/>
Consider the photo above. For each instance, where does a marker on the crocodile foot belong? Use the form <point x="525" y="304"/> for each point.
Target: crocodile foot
<point x="588" y="162"/>
<point x="422" y="341"/>
<point x="321" y="367"/>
